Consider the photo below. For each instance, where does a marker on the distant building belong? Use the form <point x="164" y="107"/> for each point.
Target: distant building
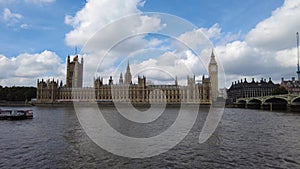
<point x="51" y="91"/>
<point x="292" y="86"/>
<point x="244" y="89"/>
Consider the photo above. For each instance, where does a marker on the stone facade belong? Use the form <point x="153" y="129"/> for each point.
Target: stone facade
<point x="51" y="91"/>
<point x="244" y="89"/>
<point x="142" y="93"/>
<point x="213" y="74"/>
<point x="74" y="72"/>
<point x="292" y="86"/>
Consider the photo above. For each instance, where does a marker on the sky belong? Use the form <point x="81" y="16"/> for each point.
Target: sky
<point x="251" y="39"/>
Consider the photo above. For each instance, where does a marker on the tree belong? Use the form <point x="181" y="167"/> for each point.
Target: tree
<point x="279" y="90"/>
<point x="17" y="93"/>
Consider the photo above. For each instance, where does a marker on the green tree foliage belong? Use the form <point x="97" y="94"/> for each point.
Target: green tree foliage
<point x="17" y="93"/>
<point x="279" y="90"/>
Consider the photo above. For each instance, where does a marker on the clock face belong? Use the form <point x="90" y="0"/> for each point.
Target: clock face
<point x="213" y="68"/>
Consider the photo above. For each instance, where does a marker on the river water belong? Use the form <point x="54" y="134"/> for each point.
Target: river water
<point x="244" y="139"/>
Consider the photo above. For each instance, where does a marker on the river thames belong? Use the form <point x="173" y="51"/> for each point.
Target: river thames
<point x="243" y="139"/>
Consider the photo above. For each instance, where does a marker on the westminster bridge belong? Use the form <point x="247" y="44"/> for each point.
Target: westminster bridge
<point x="272" y="102"/>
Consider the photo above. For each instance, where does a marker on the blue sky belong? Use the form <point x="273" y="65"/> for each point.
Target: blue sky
<point x="46" y="26"/>
<point x="34" y="31"/>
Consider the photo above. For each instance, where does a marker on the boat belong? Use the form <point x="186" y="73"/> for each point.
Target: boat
<point x="16" y="114"/>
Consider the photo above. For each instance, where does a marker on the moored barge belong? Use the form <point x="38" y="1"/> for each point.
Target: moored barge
<point x="16" y="114"/>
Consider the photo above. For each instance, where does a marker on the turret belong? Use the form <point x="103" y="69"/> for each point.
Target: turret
<point x="74" y="76"/>
<point x="121" y="79"/>
<point x="128" y="76"/>
<point x="110" y="81"/>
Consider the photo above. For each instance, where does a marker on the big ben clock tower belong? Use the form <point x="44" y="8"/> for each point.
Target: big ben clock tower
<point x="213" y="75"/>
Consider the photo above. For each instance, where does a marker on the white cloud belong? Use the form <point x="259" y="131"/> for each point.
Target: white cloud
<point x="212" y="32"/>
<point x="25" y="68"/>
<point x="24" y="26"/>
<point x="8" y="15"/>
<point x="278" y="31"/>
<point x="197" y="39"/>
<point x="163" y="69"/>
<point x="287" y="58"/>
<point x="96" y="15"/>
<point x="11" y="18"/>
<point x="268" y="50"/>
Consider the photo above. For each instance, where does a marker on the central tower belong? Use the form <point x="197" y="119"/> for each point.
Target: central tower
<point x="74" y="73"/>
<point x="128" y="76"/>
<point x="213" y="75"/>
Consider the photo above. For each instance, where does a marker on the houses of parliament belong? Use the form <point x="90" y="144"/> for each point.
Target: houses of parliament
<point x="51" y="91"/>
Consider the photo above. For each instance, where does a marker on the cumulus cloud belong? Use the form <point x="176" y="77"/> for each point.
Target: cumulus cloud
<point x="268" y="50"/>
<point x="125" y="39"/>
<point x="287" y="58"/>
<point x="96" y="15"/>
<point x="197" y="38"/>
<point x="212" y="32"/>
<point x="26" y="68"/>
<point x="120" y="37"/>
<point x="278" y="31"/>
<point x="169" y="65"/>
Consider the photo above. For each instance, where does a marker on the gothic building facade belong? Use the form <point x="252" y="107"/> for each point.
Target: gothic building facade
<point x="51" y="91"/>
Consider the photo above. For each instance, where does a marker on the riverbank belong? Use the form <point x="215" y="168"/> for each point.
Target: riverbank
<point x="288" y="108"/>
<point x="112" y="104"/>
<point x="15" y="104"/>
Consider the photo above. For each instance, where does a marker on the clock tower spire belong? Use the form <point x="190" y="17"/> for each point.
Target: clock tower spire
<point x="213" y="75"/>
<point x="128" y="76"/>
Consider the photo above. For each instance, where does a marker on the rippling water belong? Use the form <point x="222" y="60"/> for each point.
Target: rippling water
<point x="243" y="139"/>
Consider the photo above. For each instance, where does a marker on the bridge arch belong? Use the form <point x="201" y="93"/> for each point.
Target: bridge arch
<point x="275" y="103"/>
<point x="296" y="99"/>
<point x="255" y="100"/>
<point x="254" y="103"/>
<point x="295" y="104"/>
<point x="242" y="103"/>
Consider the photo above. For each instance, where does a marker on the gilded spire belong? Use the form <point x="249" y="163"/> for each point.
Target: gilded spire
<point x="121" y="79"/>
